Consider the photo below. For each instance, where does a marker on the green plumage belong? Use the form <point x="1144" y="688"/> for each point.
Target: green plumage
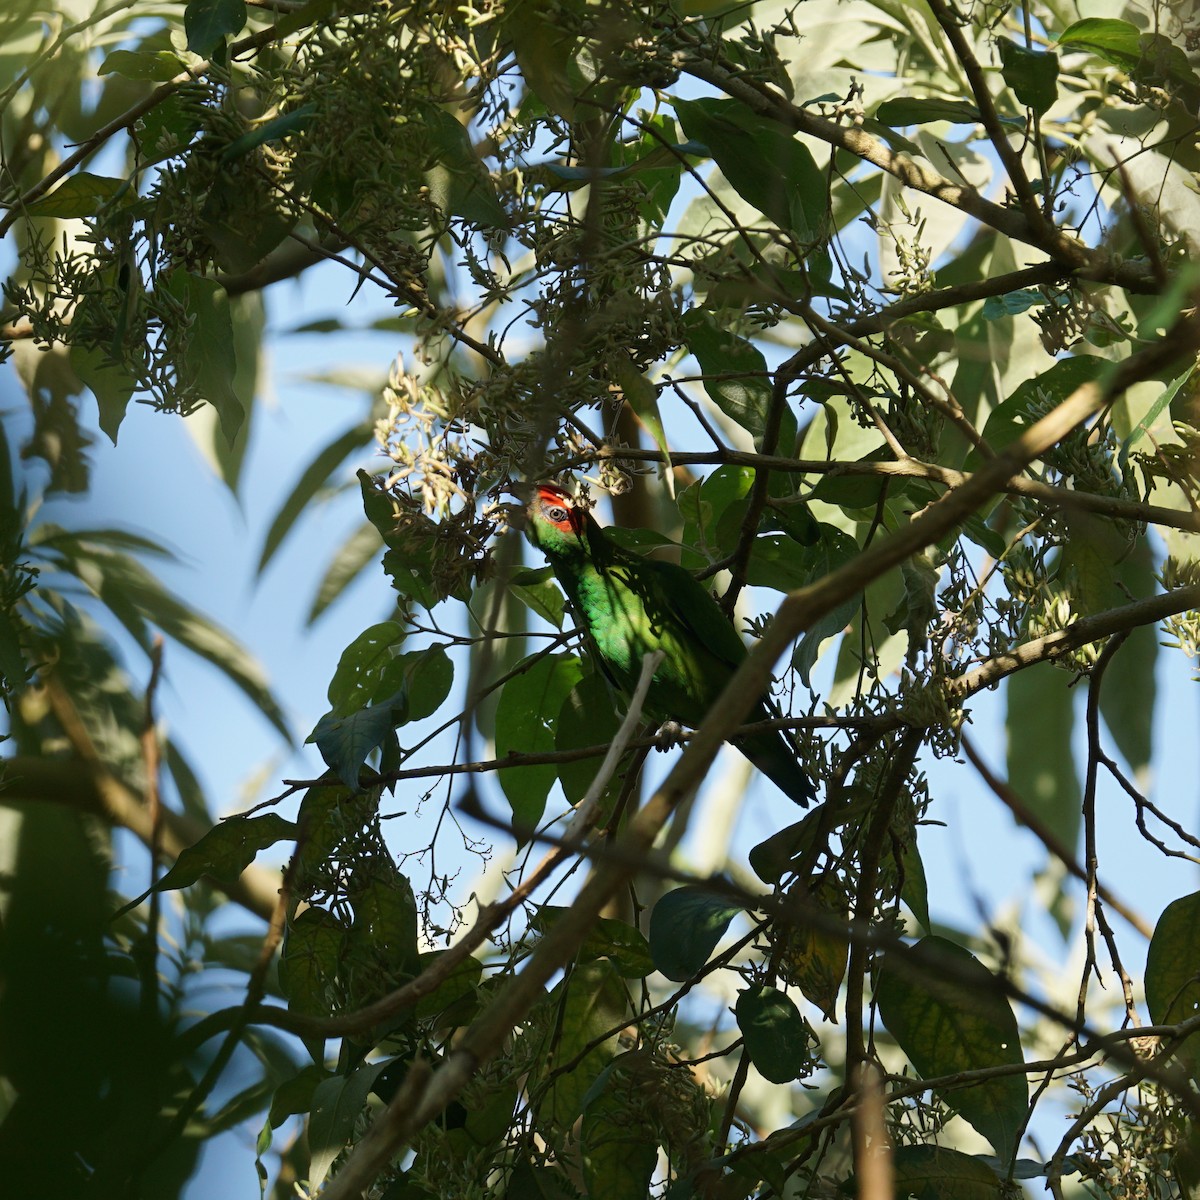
<point x="631" y="606"/>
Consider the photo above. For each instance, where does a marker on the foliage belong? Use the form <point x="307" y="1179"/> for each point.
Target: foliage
<point x="881" y="313"/>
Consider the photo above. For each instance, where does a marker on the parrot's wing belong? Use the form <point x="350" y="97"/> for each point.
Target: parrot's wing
<point x="699" y="613"/>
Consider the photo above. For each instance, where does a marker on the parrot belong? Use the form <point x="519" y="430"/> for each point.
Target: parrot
<point x="629" y="606"/>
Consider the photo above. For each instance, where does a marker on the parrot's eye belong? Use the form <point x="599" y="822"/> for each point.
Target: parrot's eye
<point x="557" y="514"/>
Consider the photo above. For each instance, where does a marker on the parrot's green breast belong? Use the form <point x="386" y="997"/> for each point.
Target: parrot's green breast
<point x="629" y="616"/>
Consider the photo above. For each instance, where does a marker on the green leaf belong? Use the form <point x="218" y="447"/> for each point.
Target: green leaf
<point x="920" y="110"/>
<point x="208" y="22"/>
<point x="1173" y="973"/>
<point x="294" y="1095"/>
<point x="535" y="588"/>
<point x="623" y="944"/>
<point x="526" y="721"/>
<point x="168" y="127"/>
<point x="936" y="1173"/>
<point x="946" y="1011"/>
<point x="249" y="321"/>
<point x="274" y="130"/>
<point x="1041" y="766"/>
<point x="208" y="361"/>
<point x="642" y="397"/>
<point x="453" y="1001"/>
<point x="134" y="596"/>
<point x="336" y="1105"/>
<point x="685" y="927"/>
<point x="776" y="1035"/>
<point x="313" y="479"/>
<point x="156" y="65"/>
<point x="1128" y="691"/>
<point x="772" y="859"/>
<point x="346" y="741"/>
<point x="428" y="676"/>
<point x="588" y="717"/>
<point x="108" y="381"/>
<point x="740" y="384"/>
<point x="458" y="181"/>
<point x="81" y="195"/>
<point x="362" y="664"/>
<point x="619" y="1153"/>
<point x="590" y="1002"/>
<point x="1012" y="304"/>
<point x="763" y="161"/>
<point x="1032" y="74"/>
<point x="815" y="959"/>
<point x="832" y="549"/>
<point x="1138" y="433"/>
<point x="1147" y="57"/>
<point x="1009" y="419"/>
<point x="384" y="930"/>
<point x="359" y="550"/>
<point x="310" y="961"/>
<point x="226" y="850"/>
<point x="914" y="891"/>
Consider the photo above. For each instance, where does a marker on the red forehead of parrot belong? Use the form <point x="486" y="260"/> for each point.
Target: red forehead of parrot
<point x="559" y="508"/>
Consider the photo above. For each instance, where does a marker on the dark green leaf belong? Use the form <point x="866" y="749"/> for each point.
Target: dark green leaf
<point x="294" y="1095"/>
<point x="274" y="130"/>
<point x="526" y="721"/>
<point x="81" y="195"/>
<point x="451" y="998"/>
<point x="345" y="741"/>
<point x="208" y="361"/>
<point x="937" y="1173"/>
<point x="427" y="674"/>
<point x="361" y="665"/>
<point x="157" y="65"/>
<point x="1011" y="304"/>
<point x="1009" y="419"/>
<point x="1032" y="74"/>
<point x="336" y="1105"/>
<point x="347" y="563"/>
<point x="919" y="110"/>
<point x="623" y="944"/>
<point x="1041" y="766"/>
<point x="763" y="162"/>
<point x="685" y="927"/>
<point x="588" y="718"/>
<point x="590" y="1002"/>
<point x="226" y="850"/>
<point x="108" y="381"/>
<point x="168" y="127"/>
<point x="385" y="923"/>
<point x="776" y="1035"/>
<point x="208" y="22"/>
<point x="535" y="587"/>
<point x="1173" y="972"/>
<point x="947" y="1013"/>
<point x="780" y="561"/>
<point x="740" y="384"/>
<point x="914" y="891"/>
<point x="458" y="181"/>
<point x="771" y="859"/>
<point x="619" y="1154"/>
<point x="311" y="960"/>
<point x="1147" y="57"/>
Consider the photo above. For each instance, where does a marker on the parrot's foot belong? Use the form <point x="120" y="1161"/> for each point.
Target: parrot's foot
<point x="670" y="735"/>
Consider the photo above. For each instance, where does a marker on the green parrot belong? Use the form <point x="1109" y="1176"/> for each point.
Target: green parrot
<point x="630" y="606"/>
